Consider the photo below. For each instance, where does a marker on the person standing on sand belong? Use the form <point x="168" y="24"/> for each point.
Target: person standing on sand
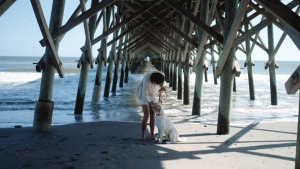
<point x="151" y="85"/>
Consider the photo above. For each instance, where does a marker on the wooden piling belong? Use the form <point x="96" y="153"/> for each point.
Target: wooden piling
<point x="44" y="106"/>
<point x="179" y="91"/>
<point x="227" y="75"/>
<point x="213" y="63"/>
<point x="85" y="66"/>
<point x="200" y="69"/>
<point x="174" y="84"/>
<point x="186" y="82"/>
<point x="171" y="74"/>
<point x="111" y="61"/>
<point x="272" y="73"/>
<point x="101" y="59"/>
<point x="116" y="73"/>
<point x="249" y="67"/>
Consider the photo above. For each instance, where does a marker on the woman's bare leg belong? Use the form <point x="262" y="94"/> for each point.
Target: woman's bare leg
<point x="145" y="120"/>
<point x="152" y="124"/>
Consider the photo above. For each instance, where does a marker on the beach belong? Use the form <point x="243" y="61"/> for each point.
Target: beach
<point x="261" y="135"/>
<point x="118" y="145"/>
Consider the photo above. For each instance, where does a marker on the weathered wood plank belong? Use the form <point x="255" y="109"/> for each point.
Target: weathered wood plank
<point x="47" y="36"/>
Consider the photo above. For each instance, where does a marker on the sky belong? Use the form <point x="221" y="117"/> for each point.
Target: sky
<point x="20" y="34"/>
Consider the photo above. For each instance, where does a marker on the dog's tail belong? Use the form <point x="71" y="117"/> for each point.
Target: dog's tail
<point x="181" y="139"/>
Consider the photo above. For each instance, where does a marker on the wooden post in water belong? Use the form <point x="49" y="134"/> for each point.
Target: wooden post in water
<point x="111" y="59"/>
<point x="272" y="73"/>
<point x="171" y="73"/>
<point x="167" y="72"/>
<point x="122" y="70"/>
<point x="85" y="66"/>
<point x="179" y="91"/>
<point x="118" y="61"/>
<point x="200" y="69"/>
<point x="174" y="86"/>
<point x="44" y="106"/>
<point x="101" y="59"/>
<point x="227" y="75"/>
<point x="249" y="66"/>
<point x="213" y="63"/>
<point x="186" y="83"/>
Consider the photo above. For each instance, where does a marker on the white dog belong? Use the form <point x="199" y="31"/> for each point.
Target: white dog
<point x="165" y="125"/>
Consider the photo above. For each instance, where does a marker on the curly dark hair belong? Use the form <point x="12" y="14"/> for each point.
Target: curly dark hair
<point x="157" y="78"/>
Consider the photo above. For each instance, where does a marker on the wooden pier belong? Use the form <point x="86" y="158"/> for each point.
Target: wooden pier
<point x="177" y="35"/>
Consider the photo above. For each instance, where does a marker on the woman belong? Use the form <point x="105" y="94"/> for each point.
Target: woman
<point x="151" y="85"/>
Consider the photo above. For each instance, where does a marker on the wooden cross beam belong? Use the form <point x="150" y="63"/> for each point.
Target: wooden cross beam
<point x="36" y="5"/>
<point x="282" y="13"/>
<point x="229" y="42"/>
<point x="76" y="21"/>
<point x="4" y="5"/>
<point x="168" y="36"/>
<point x="192" y="42"/>
<point x="190" y="31"/>
<point x="87" y="36"/>
<point x="124" y="22"/>
<point x="132" y="28"/>
<point x="197" y="21"/>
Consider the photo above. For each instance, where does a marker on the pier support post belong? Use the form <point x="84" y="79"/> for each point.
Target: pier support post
<point x="249" y="66"/>
<point x="227" y="74"/>
<point x="200" y="69"/>
<point x="111" y="59"/>
<point x="171" y="74"/>
<point x="122" y="72"/>
<point x="186" y="83"/>
<point x="44" y="106"/>
<point x="213" y="63"/>
<point x="167" y="73"/>
<point x="272" y="73"/>
<point x="126" y="72"/>
<point x="179" y="91"/>
<point x="174" y="84"/>
<point x="116" y="73"/>
<point x="85" y="66"/>
<point x="109" y="74"/>
<point x="101" y="58"/>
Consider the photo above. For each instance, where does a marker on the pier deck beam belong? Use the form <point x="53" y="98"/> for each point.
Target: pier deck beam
<point x="44" y="106"/>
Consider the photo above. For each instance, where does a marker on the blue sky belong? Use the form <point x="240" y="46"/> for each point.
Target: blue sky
<point x="20" y="34"/>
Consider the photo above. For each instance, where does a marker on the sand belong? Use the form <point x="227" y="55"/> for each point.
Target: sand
<point x="118" y="145"/>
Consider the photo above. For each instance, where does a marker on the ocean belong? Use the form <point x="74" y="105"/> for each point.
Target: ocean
<point x="20" y="87"/>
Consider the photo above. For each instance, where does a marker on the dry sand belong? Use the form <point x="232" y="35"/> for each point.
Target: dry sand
<point x="117" y="145"/>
